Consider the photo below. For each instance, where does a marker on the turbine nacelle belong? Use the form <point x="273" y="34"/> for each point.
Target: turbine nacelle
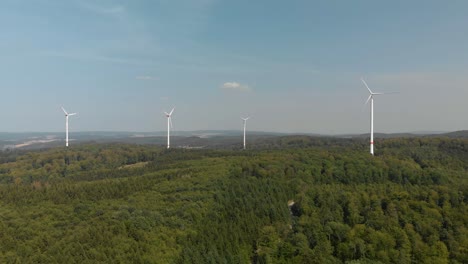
<point x="170" y="113"/>
<point x="371" y="94"/>
<point x="169" y="116"/>
<point x="68" y="114"/>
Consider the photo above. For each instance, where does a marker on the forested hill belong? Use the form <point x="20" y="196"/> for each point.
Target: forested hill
<point x="213" y="139"/>
<point x="287" y="200"/>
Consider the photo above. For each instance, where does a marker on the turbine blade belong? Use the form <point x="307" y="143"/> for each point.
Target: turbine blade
<point x="170" y="122"/>
<point x="368" y="99"/>
<point x="166" y="113"/>
<point x="65" y="111"/>
<point x="172" y="111"/>
<point x="384" y="93"/>
<point x="366" y="86"/>
<point x="72" y="114"/>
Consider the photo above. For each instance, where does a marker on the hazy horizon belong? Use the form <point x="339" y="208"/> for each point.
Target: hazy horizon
<point x="294" y="66"/>
<point x="174" y="132"/>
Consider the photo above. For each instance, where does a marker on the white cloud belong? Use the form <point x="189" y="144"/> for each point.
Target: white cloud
<point x="148" y="78"/>
<point x="235" y="86"/>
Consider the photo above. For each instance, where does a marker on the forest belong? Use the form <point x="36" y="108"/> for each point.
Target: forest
<point x="291" y="199"/>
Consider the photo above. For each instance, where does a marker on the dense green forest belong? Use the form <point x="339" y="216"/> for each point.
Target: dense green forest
<point x="287" y="200"/>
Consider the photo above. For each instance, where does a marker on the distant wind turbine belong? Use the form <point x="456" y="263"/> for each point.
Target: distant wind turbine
<point x="66" y="124"/>
<point x="245" y="125"/>
<point x="371" y="99"/>
<point x="169" y="126"/>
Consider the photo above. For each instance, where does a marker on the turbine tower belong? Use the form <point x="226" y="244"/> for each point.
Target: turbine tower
<point x="245" y="125"/>
<point x="169" y="126"/>
<point x="66" y="124"/>
<point x="371" y="99"/>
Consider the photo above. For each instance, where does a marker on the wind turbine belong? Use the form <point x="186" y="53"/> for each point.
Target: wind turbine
<point x="169" y="126"/>
<point x="371" y="99"/>
<point x="66" y="124"/>
<point x="245" y="125"/>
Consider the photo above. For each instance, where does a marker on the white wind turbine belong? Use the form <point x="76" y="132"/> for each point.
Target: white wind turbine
<point x="66" y="124"/>
<point x="169" y="126"/>
<point x="245" y="125"/>
<point x="371" y="98"/>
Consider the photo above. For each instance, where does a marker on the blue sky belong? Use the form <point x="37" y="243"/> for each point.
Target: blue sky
<point x="295" y="66"/>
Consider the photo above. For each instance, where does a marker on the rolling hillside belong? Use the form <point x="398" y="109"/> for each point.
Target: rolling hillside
<point x="289" y="200"/>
